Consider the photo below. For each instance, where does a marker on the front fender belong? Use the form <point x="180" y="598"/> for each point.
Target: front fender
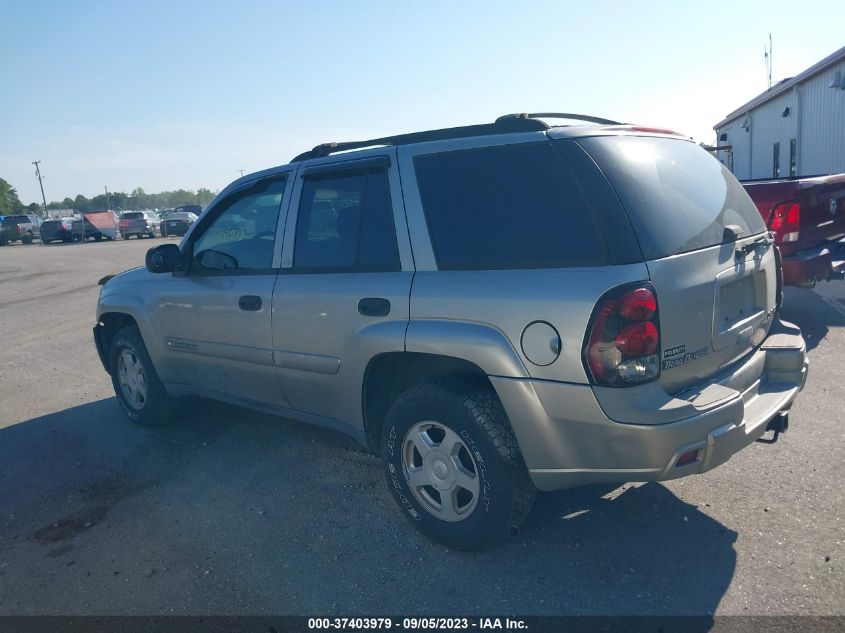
<point x="133" y="305"/>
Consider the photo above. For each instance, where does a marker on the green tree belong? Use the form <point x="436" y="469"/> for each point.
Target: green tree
<point x="204" y="196"/>
<point x="80" y="203"/>
<point x="9" y="201"/>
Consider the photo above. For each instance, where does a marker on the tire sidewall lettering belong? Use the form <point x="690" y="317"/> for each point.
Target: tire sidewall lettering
<point x="396" y="478"/>
<point x="481" y="467"/>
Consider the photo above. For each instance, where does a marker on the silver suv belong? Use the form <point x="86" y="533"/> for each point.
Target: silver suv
<point x="495" y="309"/>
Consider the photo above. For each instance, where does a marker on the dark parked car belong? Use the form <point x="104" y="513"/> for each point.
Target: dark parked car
<point x="177" y="223"/>
<point x="57" y="230"/>
<point x="23" y="228"/>
<point x="196" y="209"/>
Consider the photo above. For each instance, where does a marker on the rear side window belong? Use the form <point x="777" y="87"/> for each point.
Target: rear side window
<point x="345" y="223"/>
<point x="529" y="205"/>
<point x="679" y="198"/>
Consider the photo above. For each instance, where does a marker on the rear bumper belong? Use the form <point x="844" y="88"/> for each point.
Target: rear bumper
<point x="568" y="439"/>
<point x="820" y="263"/>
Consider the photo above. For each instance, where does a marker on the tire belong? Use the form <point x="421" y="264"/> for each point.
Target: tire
<point x="155" y="407"/>
<point x="98" y="237"/>
<point x="485" y="457"/>
<point x="27" y="239"/>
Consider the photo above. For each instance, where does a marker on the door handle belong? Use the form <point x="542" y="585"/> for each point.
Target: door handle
<point x="251" y="303"/>
<point x="374" y="306"/>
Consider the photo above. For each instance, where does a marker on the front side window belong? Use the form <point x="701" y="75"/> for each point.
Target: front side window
<point x="345" y="222"/>
<point x="242" y="234"/>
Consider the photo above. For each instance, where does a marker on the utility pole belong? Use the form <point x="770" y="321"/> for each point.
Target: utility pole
<point x="108" y="199"/>
<point x="242" y="172"/>
<point x="41" y="184"/>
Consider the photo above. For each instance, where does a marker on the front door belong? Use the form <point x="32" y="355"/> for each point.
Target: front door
<point x="342" y="295"/>
<point x="216" y="315"/>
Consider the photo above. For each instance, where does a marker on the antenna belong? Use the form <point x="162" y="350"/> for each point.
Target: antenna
<point x="767" y="56"/>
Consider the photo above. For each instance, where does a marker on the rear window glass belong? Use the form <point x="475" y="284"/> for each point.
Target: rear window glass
<point x="133" y="216"/>
<point x="529" y="205"/>
<point x="679" y="198"/>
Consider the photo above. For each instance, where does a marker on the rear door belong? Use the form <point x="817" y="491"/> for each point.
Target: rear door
<point x="343" y="291"/>
<point x="715" y="293"/>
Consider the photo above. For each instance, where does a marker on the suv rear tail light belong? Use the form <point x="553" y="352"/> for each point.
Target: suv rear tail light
<point x="785" y="221"/>
<point x="623" y="340"/>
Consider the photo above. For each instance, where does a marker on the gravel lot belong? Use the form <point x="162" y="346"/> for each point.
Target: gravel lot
<point x="237" y="512"/>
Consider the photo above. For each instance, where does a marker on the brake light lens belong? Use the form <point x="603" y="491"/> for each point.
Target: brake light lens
<point x="637" y="339"/>
<point x="624" y="337"/>
<point x="785" y="222"/>
<point x="638" y="305"/>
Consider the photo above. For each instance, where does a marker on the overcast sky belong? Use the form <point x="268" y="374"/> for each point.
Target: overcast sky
<point x="178" y="94"/>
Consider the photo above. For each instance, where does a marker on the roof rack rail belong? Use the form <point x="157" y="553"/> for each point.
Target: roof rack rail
<point x="558" y="115"/>
<point x="502" y="125"/>
<point x="522" y="122"/>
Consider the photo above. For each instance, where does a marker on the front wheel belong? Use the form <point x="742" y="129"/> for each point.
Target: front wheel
<point x="453" y="464"/>
<point x="136" y="385"/>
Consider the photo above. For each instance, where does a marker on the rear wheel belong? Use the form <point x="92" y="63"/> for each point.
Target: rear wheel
<point x="27" y="239"/>
<point x="453" y="464"/>
<point x="136" y="384"/>
<point x="98" y="237"/>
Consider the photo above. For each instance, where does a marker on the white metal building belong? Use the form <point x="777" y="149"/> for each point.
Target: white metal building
<point x="795" y="128"/>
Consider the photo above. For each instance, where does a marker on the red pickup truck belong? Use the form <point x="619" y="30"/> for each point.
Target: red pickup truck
<point x="807" y="217"/>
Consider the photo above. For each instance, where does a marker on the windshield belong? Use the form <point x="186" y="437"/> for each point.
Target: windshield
<point x="679" y="198"/>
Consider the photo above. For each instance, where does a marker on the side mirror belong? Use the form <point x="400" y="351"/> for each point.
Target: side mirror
<point x="163" y="259"/>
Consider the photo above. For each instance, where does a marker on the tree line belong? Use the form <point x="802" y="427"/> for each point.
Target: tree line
<point x="10" y="203"/>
